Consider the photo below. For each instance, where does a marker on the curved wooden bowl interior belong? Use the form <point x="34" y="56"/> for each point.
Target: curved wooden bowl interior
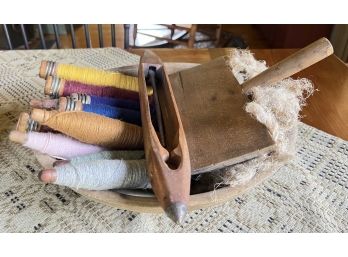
<point x="198" y="201"/>
<point x="150" y="204"/>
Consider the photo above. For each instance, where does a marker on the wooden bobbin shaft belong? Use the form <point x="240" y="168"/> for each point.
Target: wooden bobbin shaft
<point x="44" y="103"/>
<point x="25" y="123"/>
<point x="296" y="62"/>
<point x="50" y="81"/>
<point x="84" y="98"/>
<point x="68" y="104"/>
<point x="22" y="123"/>
<point x="18" y="137"/>
<point x="47" y="68"/>
<point x="41" y="115"/>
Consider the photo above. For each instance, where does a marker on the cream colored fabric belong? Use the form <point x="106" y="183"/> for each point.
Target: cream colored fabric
<point x="310" y="194"/>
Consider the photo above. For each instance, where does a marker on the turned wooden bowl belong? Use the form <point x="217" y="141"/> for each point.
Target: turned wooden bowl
<point x="135" y="200"/>
<point x="140" y="202"/>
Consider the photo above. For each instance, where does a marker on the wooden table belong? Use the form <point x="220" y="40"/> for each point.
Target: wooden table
<point x="327" y="109"/>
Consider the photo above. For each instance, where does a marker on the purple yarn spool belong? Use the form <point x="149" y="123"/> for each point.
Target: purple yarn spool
<point x="76" y="87"/>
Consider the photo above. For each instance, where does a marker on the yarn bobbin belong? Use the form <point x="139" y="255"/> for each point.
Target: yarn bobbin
<point x="26" y="124"/>
<point x="44" y="103"/>
<point x="41" y="116"/>
<point x="52" y="144"/>
<point x="54" y="87"/>
<point x="18" y="137"/>
<point x="83" y="98"/>
<point x="110" y="101"/>
<point x="69" y="104"/>
<point x="92" y="128"/>
<point x="88" y="75"/>
<point x="126" y="115"/>
<point x="47" y="68"/>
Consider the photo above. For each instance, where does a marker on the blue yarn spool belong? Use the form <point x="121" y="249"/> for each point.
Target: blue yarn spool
<point x="111" y="101"/>
<point x="117" y="102"/>
<point x="126" y="115"/>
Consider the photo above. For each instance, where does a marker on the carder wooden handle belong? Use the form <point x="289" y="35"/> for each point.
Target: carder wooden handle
<point x="296" y="62"/>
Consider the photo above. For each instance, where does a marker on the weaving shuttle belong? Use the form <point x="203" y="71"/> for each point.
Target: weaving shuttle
<point x="167" y="160"/>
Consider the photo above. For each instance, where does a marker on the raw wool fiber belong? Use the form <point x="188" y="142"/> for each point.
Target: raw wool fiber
<point x="277" y="107"/>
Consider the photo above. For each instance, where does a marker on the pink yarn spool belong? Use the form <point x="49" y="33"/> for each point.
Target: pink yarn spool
<point x="58" y="145"/>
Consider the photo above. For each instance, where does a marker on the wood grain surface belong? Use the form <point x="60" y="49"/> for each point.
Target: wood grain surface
<point x="298" y="61"/>
<point x="219" y="132"/>
<point x="167" y="156"/>
<point x="327" y="109"/>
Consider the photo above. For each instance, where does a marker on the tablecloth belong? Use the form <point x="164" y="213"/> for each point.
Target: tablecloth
<point x="309" y="194"/>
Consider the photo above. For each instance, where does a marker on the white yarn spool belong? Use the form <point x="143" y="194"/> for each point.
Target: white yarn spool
<point x="109" y="155"/>
<point x="104" y="175"/>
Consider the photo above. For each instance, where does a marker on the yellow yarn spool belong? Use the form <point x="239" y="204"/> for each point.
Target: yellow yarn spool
<point x="98" y="77"/>
<point x="92" y="128"/>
